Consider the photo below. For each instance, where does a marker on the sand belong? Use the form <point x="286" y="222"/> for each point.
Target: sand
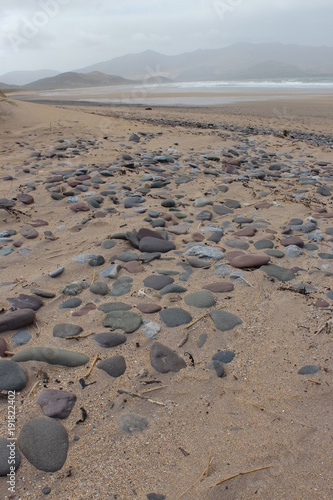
<point x="262" y="413"/>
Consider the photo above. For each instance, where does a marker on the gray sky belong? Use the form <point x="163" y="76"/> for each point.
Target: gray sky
<point x="69" y="34"/>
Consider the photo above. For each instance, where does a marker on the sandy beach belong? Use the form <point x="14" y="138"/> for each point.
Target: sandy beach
<point x="215" y="185"/>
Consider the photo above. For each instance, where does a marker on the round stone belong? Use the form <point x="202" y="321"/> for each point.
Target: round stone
<point x="12" y="376"/>
<point x="224" y="320"/>
<point x="224" y="356"/>
<point x="115" y="366"/>
<point x="44" y="442"/>
<point x="174" y="317"/>
<point x="157" y="282"/>
<point x="220" y="287"/>
<point x="71" y="303"/>
<point x="309" y="370"/>
<point x="263" y="244"/>
<point x="109" y="339"/>
<point x="21" y="338"/>
<point x="164" y="360"/>
<point x="64" y="330"/>
<point x="200" y="299"/>
<point x="99" y="288"/>
<point x="97" y="260"/>
<point x="149" y="308"/>
<point x="293" y="251"/>
<point x="124" y="320"/>
<point x="293" y="240"/>
<point x="56" y="404"/>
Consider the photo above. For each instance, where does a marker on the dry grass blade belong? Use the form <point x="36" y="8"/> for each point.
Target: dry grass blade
<point x="204" y="473"/>
<point x="242" y="474"/>
<point x="96" y="358"/>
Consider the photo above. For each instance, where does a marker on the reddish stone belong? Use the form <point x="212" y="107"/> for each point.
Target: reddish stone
<point x="219" y="287"/>
<point x="85" y="309"/>
<point x="83" y="177"/>
<point x="263" y="205"/>
<point x="133" y="267"/>
<point x="321" y="303"/>
<point x="73" y="183"/>
<point x="250" y="260"/>
<point x="232" y="255"/>
<point x="26" y="199"/>
<point x="80" y="207"/>
<point x="294" y="240"/>
<point x="38" y="223"/>
<point x="55" y="178"/>
<point x="144" y="232"/>
<point x="148" y="308"/>
<point x="197" y="237"/>
<point x="247" y="231"/>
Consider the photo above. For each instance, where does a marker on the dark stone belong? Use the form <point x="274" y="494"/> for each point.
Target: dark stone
<point x="56" y="404"/>
<point x="25" y="302"/>
<point x="174" y="317"/>
<point x="64" y="330"/>
<point x="309" y="370"/>
<point x="109" y="339"/>
<point x="115" y="366"/>
<point x="12" y="376"/>
<point x="164" y="360"/>
<point x="157" y="282"/>
<point x="151" y="245"/>
<point x="13" y="320"/>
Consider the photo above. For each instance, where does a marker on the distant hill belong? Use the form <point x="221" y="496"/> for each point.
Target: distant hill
<point x="4" y="86"/>
<point x="238" y="61"/>
<point x="25" y="77"/>
<point x="77" y="80"/>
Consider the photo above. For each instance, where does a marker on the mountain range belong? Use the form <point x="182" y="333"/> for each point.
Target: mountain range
<point x="242" y="61"/>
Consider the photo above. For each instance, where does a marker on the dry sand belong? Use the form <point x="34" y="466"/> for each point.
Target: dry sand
<point x="262" y="413"/>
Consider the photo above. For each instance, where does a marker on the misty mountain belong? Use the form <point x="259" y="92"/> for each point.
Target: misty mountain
<point x="239" y="61"/>
<point x="77" y="80"/>
<point x="25" y="77"/>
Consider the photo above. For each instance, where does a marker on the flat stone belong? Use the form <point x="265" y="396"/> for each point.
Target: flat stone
<point x="29" y="232"/>
<point x="152" y="245"/>
<point x="247" y="231"/>
<point x="9" y="457"/>
<point x="109" y="339"/>
<point x="147" y="308"/>
<point x="198" y="263"/>
<point x="202" y="340"/>
<point x="150" y="329"/>
<point x="96" y="261"/>
<point x="21" y="338"/>
<point x="90" y="306"/>
<point x="64" y="330"/>
<point x="178" y="230"/>
<point x="71" y="303"/>
<point x="124" y="320"/>
<point x="225" y="321"/>
<point x="114" y="366"/>
<point x="263" y="244"/>
<point x="155" y="496"/>
<point x="293" y="240"/>
<point x="146" y="232"/>
<point x="250" y="261"/>
<point x="127" y="256"/>
<point x="132" y="423"/>
<point x="157" y="282"/>
<point x="222" y="210"/>
<point x="200" y="299"/>
<point x="108" y="244"/>
<point x="321" y="303"/>
<point x="325" y="256"/>
<point x="203" y="251"/>
<point x="80" y="207"/>
<point x="164" y="360"/>
<point x="14" y="320"/>
<point x="121" y="287"/>
<point x="174" y="317"/>
<point x="51" y="356"/>
<point x="241" y="244"/>
<point x="219" y="287"/>
<point x="44" y="442"/>
<point x="278" y="272"/>
<point x="293" y="251"/>
<point x="224" y="356"/>
<point x="309" y="370"/>
<point x="25" y="302"/>
<point x="56" y="404"/>
<point x="173" y="288"/>
<point x="275" y="253"/>
<point x="114" y="306"/>
<point x="110" y="272"/>
<point x="218" y="367"/>
<point x="12" y="376"/>
<point x="133" y="267"/>
<point x="75" y="288"/>
<point x="99" y="288"/>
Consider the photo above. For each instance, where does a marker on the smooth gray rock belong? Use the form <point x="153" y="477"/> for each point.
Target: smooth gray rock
<point x="99" y="288"/>
<point x="124" y="320"/>
<point x="174" y="317"/>
<point x="109" y="339"/>
<point x="173" y="288"/>
<point x="114" y="306"/>
<point x="21" y="338"/>
<point x="202" y="298"/>
<point x="293" y="251"/>
<point x="12" y="376"/>
<point x="278" y="272"/>
<point x="64" y="330"/>
<point x="51" y="356"/>
<point x="121" y="287"/>
<point x="203" y="251"/>
<point x="225" y="321"/>
<point x="157" y="281"/>
<point x="153" y="245"/>
<point x="56" y="404"/>
<point x="224" y="356"/>
<point x="309" y="370"/>
<point x="114" y="366"/>
<point x="164" y="360"/>
<point x="150" y="329"/>
<point x="25" y="302"/>
<point x="44" y="442"/>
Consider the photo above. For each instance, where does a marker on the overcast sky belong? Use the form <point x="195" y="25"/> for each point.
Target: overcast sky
<point x="70" y="34"/>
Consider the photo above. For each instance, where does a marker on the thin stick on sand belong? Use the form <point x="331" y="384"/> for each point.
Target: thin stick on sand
<point x="121" y="391"/>
<point x="96" y="358"/>
<point x="77" y="337"/>
<point x="152" y="390"/>
<point x="204" y="473"/>
<point x="242" y="474"/>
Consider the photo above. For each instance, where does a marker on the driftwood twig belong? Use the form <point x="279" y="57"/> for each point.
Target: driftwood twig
<point x="242" y="474"/>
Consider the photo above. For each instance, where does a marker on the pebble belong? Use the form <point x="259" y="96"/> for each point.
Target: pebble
<point x="152" y="245"/>
<point x="250" y="261"/>
<point x="44" y="442"/>
<point x="150" y="329"/>
<point x="203" y="251"/>
<point x="155" y="496"/>
<point x="29" y="232"/>
<point x="12" y="376"/>
<point x="224" y="356"/>
<point x="148" y="308"/>
<point x="56" y="272"/>
<point x="278" y="272"/>
<point x="52" y="356"/>
<point x="224" y="320"/>
<point x="109" y="339"/>
<point x="293" y="240"/>
<point x="9" y="457"/>
<point x="20" y="338"/>
<point x="64" y="330"/>
<point x="263" y="244"/>
<point x="164" y="360"/>
<point x="71" y="303"/>
<point x="99" y="288"/>
<point x="157" y="282"/>
<point x="122" y="286"/>
<point x="56" y="404"/>
<point x="309" y="370"/>
<point x="202" y="299"/>
<point x="14" y="320"/>
<point x="25" y="302"/>
<point x="218" y="367"/>
<point x="114" y="366"/>
<point x="97" y="260"/>
<point x="127" y="321"/>
<point x="241" y="244"/>
<point x="202" y="340"/>
<point x="174" y="317"/>
<point x="293" y="251"/>
<point x="111" y="272"/>
<point x="114" y="306"/>
<point x="130" y="422"/>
